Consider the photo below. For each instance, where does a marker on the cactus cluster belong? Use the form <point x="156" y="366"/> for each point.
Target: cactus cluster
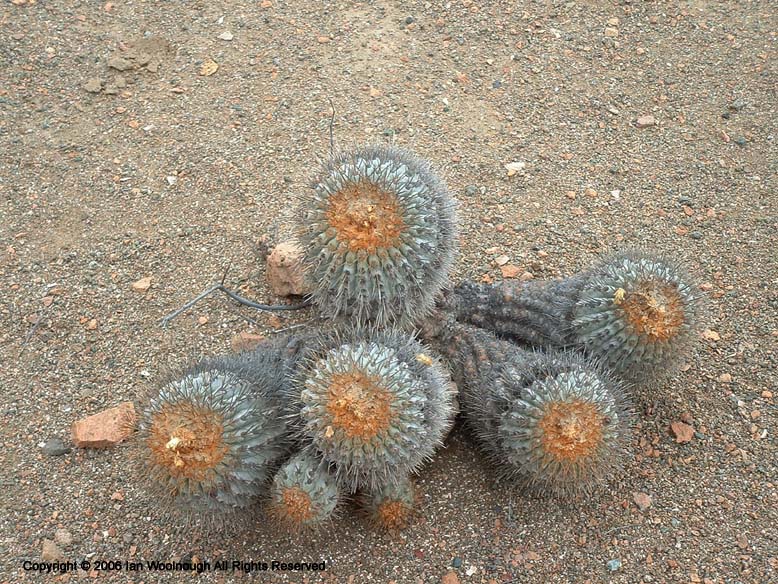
<point x="358" y="405"/>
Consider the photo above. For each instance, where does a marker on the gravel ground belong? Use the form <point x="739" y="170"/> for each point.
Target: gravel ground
<point x="637" y="122"/>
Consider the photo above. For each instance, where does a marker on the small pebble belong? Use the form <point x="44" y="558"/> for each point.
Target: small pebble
<point x="456" y="562"/>
<point x="55" y="447"/>
<point x="63" y="537"/>
<point x="614" y="565"/>
<point x="119" y="64"/>
<point x="645" y="121"/>
<point x="93" y="85"/>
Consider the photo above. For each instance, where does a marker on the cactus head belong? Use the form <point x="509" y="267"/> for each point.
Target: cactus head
<point x="209" y="437"/>
<point x="391" y="506"/>
<point x="637" y="313"/>
<point x="378" y="236"/>
<point x="303" y="494"/>
<point x="375" y="405"/>
<point x="567" y="430"/>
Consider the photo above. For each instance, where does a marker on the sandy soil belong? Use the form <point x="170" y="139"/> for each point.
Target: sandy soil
<point x="163" y="170"/>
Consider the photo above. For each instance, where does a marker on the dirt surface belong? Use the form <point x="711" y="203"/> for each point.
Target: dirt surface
<point x="126" y="153"/>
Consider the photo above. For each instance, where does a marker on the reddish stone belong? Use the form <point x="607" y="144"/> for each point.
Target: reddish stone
<point x="285" y="272"/>
<point x="682" y="432"/>
<point x="642" y="500"/>
<point x="106" y="428"/>
<point x="245" y="342"/>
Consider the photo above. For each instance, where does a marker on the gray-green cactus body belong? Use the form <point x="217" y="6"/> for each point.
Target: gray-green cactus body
<point x="212" y="433"/>
<point x="638" y="314"/>
<point x="536" y="313"/>
<point x="634" y="312"/>
<point x="375" y="405"/>
<point x="391" y="506"/>
<point x="304" y="493"/>
<point x="379" y="236"/>
<point x="548" y="421"/>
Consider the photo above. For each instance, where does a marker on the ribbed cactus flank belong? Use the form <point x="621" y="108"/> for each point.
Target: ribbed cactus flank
<point x="376" y="405"/>
<point x="391" y="506"/>
<point x="549" y="421"/>
<point x="211" y="434"/>
<point x="633" y="311"/>
<point x="379" y="236"/>
<point x="304" y="494"/>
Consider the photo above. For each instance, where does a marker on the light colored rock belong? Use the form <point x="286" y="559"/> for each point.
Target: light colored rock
<point x="119" y="64"/>
<point x="645" y="121"/>
<point x="50" y="552"/>
<point x="63" y="537"/>
<point x="93" y="85"/>
<point x="142" y="285"/>
<point x="106" y="428"/>
<point x="285" y="271"/>
<point x="642" y="500"/>
<point x="514" y="167"/>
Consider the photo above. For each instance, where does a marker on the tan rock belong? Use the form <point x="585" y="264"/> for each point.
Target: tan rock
<point x="63" y="537"/>
<point x="510" y="271"/>
<point x="710" y="335"/>
<point x="106" y="428"/>
<point x="285" y="272"/>
<point x="245" y="342"/>
<point x="50" y="551"/>
<point x="645" y="121"/>
<point x="450" y="578"/>
<point x="642" y="500"/>
<point x="142" y="285"/>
